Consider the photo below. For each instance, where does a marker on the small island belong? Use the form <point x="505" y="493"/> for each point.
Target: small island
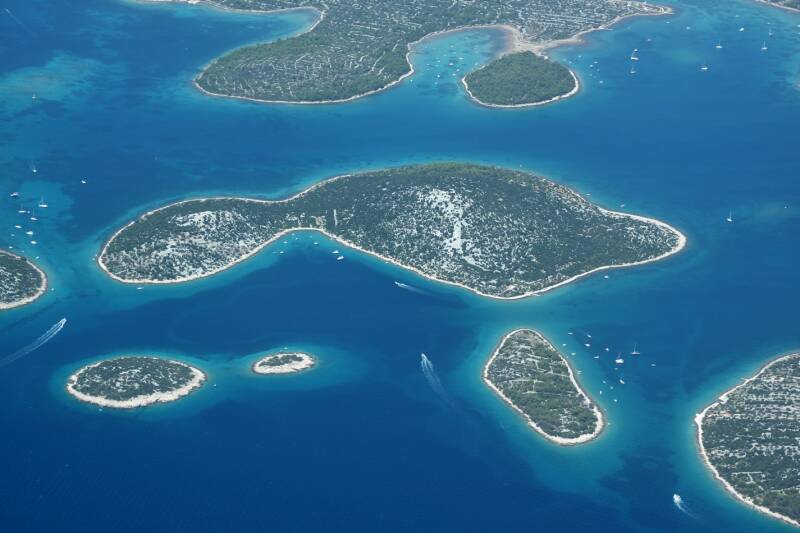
<point x="358" y="48"/>
<point x="21" y="282"/>
<point x="519" y="80"/>
<point x="530" y="375"/>
<point x="284" y="363"/>
<point x="750" y="439"/>
<point x="791" y="5"/>
<point x="134" y="381"/>
<point x="497" y="232"/>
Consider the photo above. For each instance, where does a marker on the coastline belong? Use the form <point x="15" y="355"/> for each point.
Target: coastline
<point x="198" y="378"/>
<point x="39" y="291"/>
<point x="785" y="8"/>
<point x="586" y="437"/>
<point x="307" y="362"/>
<point x="518" y="44"/>
<point x="698" y="420"/>
<point x="682" y="240"/>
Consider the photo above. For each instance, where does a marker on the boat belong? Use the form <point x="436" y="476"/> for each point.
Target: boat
<point x="635" y="351"/>
<point x="42" y="204"/>
<point x="729" y="219"/>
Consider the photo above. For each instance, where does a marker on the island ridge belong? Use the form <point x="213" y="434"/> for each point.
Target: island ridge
<point x="134" y="381"/>
<point x="750" y="439"/>
<point x="529" y="374"/>
<point x="497" y="232"/>
<point x="350" y="52"/>
<point x="21" y="282"/>
<point x="284" y="363"/>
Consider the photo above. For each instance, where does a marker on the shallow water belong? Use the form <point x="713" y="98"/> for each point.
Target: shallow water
<point x="363" y="443"/>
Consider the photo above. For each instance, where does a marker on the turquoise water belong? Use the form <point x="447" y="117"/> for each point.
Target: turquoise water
<point x="362" y="443"/>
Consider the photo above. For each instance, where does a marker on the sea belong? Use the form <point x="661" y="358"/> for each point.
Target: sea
<point x="99" y="91"/>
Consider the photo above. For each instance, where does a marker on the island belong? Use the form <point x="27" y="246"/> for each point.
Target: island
<point x="497" y="232"/>
<point x="519" y="80"/>
<point x="21" y="282"/>
<point x="358" y="48"/>
<point x="750" y="439"/>
<point x="284" y="363"/>
<point x="531" y="376"/>
<point x="134" y="381"/>
<point x="791" y="5"/>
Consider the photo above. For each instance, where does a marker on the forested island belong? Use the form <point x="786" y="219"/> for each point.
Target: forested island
<point x="498" y="232"/>
<point x="21" y="282"/>
<point x="284" y="363"/>
<point x="520" y="79"/>
<point x="529" y="374"/>
<point x="750" y="439"/>
<point x="357" y="48"/>
<point x="134" y="381"/>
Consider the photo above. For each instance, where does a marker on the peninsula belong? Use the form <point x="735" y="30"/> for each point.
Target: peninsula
<point x="358" y="48"/>
<point x="530" y="375"/>
<point x="497" y="232"/>
<point x="519" y="80"/>
<point x="134" y="381"/>
<point x="284" y="363"/>
<point x="21" y="282"/>
<point x="750" y="439"/>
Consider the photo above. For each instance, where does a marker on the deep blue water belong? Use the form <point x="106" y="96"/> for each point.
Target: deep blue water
<point x="362" y="443"/>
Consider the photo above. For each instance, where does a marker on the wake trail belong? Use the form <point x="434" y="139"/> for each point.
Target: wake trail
<point x="54" y="330"/>
<point x="433" y="380"/>
<point x="15" y="19"/>
<point x="681" y="506"/>
<point x="410" y="288"/>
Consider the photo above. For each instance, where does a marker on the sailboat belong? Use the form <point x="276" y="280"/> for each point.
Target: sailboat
<point x="764" y="47"/>
<point x="730" y="217"/>
<point x="633" y="68"/>
<point x="42" y="204"/>
<point x="719" y="45"/>
<point x="33" y="215"/>
<point x="635" y="351"/>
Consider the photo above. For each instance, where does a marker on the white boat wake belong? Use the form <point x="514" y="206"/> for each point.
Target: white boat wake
<point x="433" y="380"/>
<point x="35" y="345"/>
<point x="409" y="288"/>
<point x="681" y="505"/>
